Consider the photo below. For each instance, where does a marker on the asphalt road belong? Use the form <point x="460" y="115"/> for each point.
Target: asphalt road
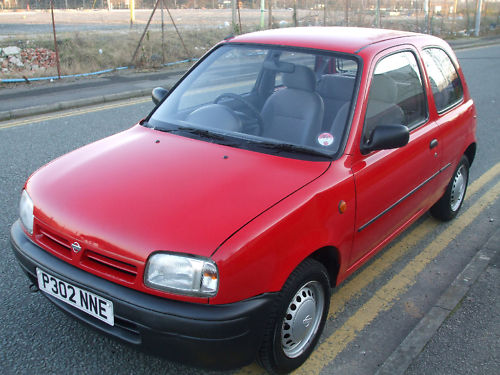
<point x="370" y="314"/>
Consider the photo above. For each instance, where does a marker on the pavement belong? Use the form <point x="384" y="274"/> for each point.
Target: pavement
<point x="470" y="336"/>
<point x="36" y="98"/>
<point x="29" y="99"/>
<point x="459" y="334"/>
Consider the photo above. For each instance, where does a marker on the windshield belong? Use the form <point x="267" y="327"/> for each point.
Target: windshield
<point x="268" y="97"/>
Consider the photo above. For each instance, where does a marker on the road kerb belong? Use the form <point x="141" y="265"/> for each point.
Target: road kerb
<point x="42" y="109"/>
<point x="409" y="349"/>
<point x="474" y="44"/>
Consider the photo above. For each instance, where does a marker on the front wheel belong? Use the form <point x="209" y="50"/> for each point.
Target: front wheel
<point x="298" y="319"/>
<point x="448" y="206"/>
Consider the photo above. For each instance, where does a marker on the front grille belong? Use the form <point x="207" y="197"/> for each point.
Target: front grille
<point x="109" y="266"/>
<point x="54" y="243"/>
<point x="91" y="260"/>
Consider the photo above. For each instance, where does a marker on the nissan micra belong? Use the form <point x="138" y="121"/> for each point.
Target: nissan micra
<point x="213" y="230"/>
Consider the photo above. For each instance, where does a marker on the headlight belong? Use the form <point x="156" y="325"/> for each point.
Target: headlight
<point x="182" y="274"/>
<point x="26" y="211"/>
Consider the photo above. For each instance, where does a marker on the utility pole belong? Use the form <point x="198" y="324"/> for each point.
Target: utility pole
<point x="162" y="35"/>
<point x="346" y="12"/>
<point x="234" y="15"/>
<point x="325" y="5"/>
<point x="55" y="39"/>
<point x="144" y="32"/>
<point x="294" y="16"/>
<point x="455" y="16"/>
<point x="262" y="10"/>
<point x="240" y="30"/>
<point x="426" y="14"/>
<point x="132" y="12"/>
<point x="478" y="17"/>
<point x="270" y="14"/>
<point x="427" y="10"/>
<point x="416" y="15"/>
<point x="378" y="14"/>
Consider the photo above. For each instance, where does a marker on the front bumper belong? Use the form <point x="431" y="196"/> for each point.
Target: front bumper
<point x="214" y="336"/>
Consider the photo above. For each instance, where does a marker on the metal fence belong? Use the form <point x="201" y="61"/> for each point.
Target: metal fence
<point x="440" y="17"/>
<point x="109" y="38"/>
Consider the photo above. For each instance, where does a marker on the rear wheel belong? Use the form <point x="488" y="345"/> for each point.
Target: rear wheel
<point x="448" y="206"/>
<point x="298" y="318"/>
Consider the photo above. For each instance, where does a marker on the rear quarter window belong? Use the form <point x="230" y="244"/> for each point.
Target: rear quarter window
<point x="445" y="82"/>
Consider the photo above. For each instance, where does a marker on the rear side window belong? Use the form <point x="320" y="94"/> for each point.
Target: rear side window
<point x="396" y="94"/>
<point x="445" y="82"/>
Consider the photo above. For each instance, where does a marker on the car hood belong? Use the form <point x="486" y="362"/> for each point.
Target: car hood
<point x="144" y="190"/>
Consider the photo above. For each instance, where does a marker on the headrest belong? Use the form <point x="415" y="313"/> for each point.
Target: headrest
<point x="384" y="89"/>
<point x="302" y="79"/>
<point x="336" y="87"/>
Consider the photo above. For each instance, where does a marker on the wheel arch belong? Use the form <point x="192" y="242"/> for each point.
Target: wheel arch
<point x="470" y="152"/>
<point x="329" y="257"/>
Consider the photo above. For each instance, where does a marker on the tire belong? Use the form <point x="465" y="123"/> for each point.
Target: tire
<point x="297" y="320"/>
<point x="448" y="206"/>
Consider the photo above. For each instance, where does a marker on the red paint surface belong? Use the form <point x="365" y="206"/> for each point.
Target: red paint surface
<point x="130" y="196"/>
<point x="257" y="215"/>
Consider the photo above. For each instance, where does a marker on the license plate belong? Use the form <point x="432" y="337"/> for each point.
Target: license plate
<point x="92" y="304"/>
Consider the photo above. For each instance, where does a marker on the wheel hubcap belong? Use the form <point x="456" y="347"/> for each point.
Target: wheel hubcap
<point x="302" y="319"/>
<point x="458" y="188"/>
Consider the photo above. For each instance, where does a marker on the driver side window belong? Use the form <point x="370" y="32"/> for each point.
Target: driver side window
<point x="396" y="94"/>
<point x="244" y="63"/>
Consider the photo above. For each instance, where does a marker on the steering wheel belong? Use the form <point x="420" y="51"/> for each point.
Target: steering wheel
<point x="250" y="107"/>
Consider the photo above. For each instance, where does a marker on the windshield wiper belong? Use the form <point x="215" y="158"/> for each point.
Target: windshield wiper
<point x="145" y="124"/>
<point x="293" y="148"/>
<point x="227" y="140"/>
<point x="204" y="133"/>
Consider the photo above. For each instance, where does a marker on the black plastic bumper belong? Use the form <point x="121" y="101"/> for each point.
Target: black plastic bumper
<point x="214" y="336"/>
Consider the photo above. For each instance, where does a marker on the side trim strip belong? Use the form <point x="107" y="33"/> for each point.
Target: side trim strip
<point x="404" y="198"/>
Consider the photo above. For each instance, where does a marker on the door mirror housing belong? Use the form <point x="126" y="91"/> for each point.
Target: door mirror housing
<point x="386" y="137"/>
<point x="158" y="94"/>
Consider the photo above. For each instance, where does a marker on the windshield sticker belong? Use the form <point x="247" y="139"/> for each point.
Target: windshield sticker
<point x="325" y="139"/>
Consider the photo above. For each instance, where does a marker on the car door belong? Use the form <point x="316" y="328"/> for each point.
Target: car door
<point x="395" y="186"/>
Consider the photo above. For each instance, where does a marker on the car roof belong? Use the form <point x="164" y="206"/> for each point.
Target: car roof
<point x="341" y="39"/>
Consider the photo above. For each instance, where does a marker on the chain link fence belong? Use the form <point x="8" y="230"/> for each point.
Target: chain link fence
<point x="443" y="18"/>
<point x="95" y="35"/>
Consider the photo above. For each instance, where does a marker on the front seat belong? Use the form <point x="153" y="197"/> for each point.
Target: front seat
<point x="294" y="114"/>
<point x="382" y="108"/>
<point x="336" y="90"/>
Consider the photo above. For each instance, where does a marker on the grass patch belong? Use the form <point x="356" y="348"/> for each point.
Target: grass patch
<point x="89" y="52"/>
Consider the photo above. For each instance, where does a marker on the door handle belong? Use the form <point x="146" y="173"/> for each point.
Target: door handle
<point x="433" y="144"/>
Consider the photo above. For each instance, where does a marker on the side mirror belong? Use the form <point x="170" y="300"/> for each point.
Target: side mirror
<point x="158" y="94"/>
<point x="385" y="137"/>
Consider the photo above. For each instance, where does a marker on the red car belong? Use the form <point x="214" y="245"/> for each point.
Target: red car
<point x="213" y="231"/>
